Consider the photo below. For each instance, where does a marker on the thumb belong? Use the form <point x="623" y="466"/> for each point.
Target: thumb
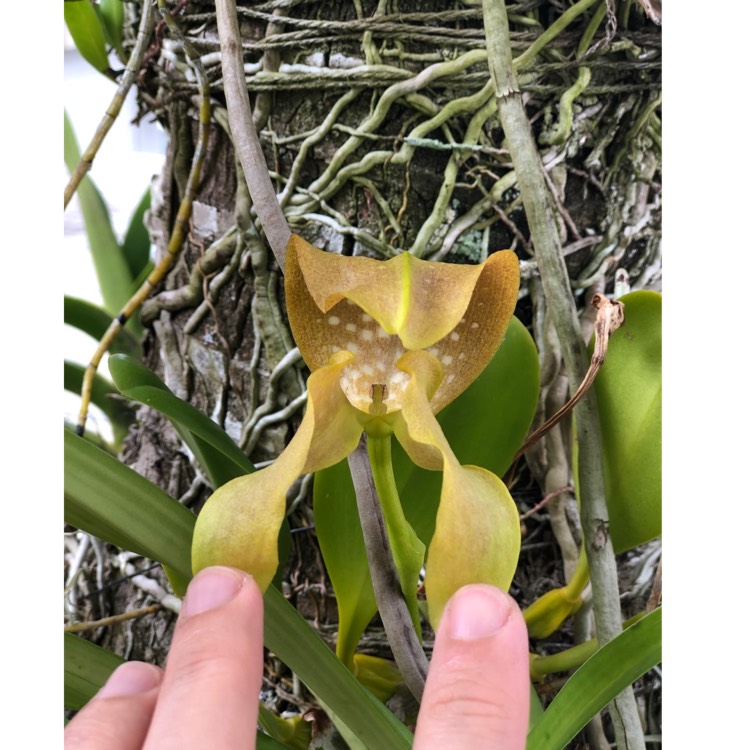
<point x="477" y="690"/>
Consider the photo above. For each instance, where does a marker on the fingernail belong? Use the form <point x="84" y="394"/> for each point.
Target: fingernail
<point x="211" y="588"/>
<point x="477" y="611"/>
<point x="130" y="679"/>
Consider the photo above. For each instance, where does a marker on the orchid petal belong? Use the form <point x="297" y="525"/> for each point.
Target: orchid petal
<point x="477" y="530"/>
<point x="239" y="525"/>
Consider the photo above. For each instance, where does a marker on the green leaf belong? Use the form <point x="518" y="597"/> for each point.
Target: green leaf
<point x="123" y="508"/>
<point x="601" y="678"/>
<point x="628" y="391"/>
<point x="485" y="426"/>
<point x="219" y="456"/>
<point x="115" y="503"/>
<point x="105" y="396"/>
<point x="343" y="548"/>
<point x="86" y="30"/>
<point x="91" y="319"/>
<point x="112" y="15"/>
<point x="137" y="244"/>
<point x="112" y="272"/>
<point x="87" y="668"/>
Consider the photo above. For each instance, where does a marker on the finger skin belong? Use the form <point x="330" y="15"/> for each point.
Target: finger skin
<point x="118" y="716"/>
<point x="477" y="690"/>
<point x="209" y="696"/>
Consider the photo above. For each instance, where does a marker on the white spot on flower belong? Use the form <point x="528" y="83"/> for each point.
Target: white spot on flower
<point x="366" y="318"/>
<point x="454" y="336"/>
<point x="368" y="370"/>
<point x="351" y="327"/>
<point x="366" y="335"/>
<point x="447" y="359"/>
<point x="334" y="320"/>
<point x="352" y="347"/>
<point x="475" y="325"/>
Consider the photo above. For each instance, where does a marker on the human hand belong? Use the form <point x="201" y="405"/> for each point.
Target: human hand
<point x="477" y="692"/>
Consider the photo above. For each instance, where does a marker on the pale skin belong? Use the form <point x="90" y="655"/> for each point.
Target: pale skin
<point x="476" y="696"/>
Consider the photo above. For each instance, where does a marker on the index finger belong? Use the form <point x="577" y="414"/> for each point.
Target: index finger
<point x="209" y="696"/>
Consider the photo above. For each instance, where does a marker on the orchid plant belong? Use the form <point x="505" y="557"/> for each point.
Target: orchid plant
<point x="389" y="344"/>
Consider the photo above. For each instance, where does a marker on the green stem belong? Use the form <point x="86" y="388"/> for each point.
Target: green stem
<point x="570" y="658"/>
<point x="556" y="283"/>
<point x="408" y="550"/>
<point x="397" y="621"/>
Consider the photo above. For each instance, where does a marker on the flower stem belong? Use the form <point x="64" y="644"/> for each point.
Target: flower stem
<point x="408" y="550"/>
<point x="399" y="628"/>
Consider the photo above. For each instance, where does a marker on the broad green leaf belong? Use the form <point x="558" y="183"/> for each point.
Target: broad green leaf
<point x="112" y="15"/>
<point x="343" y="548"/>
<point x="105" y="396"/>
<point x="87" y="668"/>
<point x="115" y="503"/>
<point x="218" y="454"/>
<point x="628" y="392"/>
<point x="137" y="244"/>
<point x="91" y="319"/>
<point x="112" y="272"/>
<point x="485" y="426"/>
<point x="125" y="507"/>
<point x="601" y="678"/>
<point x="86" y="30"/>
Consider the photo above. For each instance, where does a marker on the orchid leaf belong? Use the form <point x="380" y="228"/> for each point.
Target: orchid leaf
<point x="105" y="396"/>
<point x="87" y="668"/>
<point x="601" y="678"/>
<point x="628" y="391"/>
<point x="87" y="32"/>
<point x="93" y="320"/>
<point x="136" y="246"/>
<point x="115" y="503"/>
<point x="112" y="14"/>
<point x="112" y="272"/>
<point x="341" y="542"/>
<point x="218" y="454"/>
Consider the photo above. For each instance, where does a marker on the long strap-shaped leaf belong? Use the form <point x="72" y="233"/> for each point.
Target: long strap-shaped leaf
<point x="113" y="502"/>
<point x="219" y="457"/>
<point x="612" y="668"/>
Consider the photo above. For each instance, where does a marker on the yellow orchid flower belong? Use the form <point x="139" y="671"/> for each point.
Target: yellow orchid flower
<point x="389" y="344"/>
